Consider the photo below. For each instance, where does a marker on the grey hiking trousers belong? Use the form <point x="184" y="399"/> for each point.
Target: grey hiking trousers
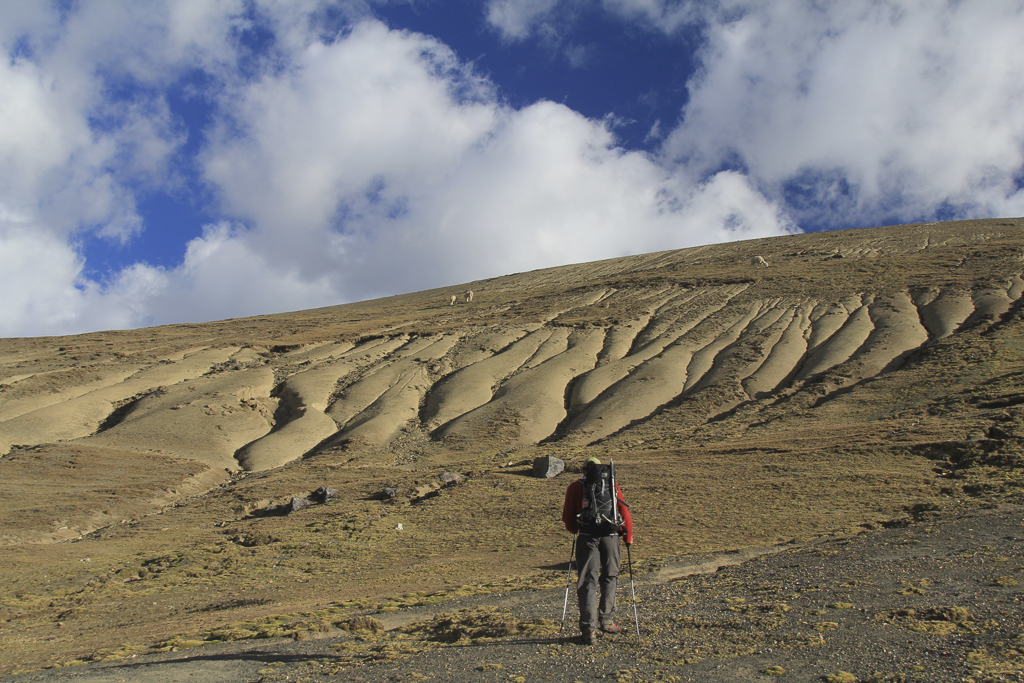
<point x="598" y="559"/>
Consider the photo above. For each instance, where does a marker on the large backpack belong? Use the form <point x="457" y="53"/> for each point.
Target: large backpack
<point x="600" y="515"/>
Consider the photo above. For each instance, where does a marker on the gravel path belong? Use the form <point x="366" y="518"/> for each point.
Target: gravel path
<point x="938" y="600"/>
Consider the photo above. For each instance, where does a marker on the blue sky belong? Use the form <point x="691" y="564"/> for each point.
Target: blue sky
<point x="187" y="161"/>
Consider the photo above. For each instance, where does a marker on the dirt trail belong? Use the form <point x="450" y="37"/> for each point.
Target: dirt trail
<point x="934" y="603"/>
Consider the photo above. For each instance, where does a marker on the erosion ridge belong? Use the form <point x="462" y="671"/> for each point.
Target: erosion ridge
<point x="859" y="379"/>
<point x="572" y="375"/>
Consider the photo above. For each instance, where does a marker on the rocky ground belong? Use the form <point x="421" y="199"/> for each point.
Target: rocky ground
<point x="938" y="599"/>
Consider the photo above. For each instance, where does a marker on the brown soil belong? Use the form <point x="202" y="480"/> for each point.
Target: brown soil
<point x="121" y="540"/>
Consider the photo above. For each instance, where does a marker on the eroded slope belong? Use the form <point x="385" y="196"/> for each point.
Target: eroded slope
<point x="578" y="353"/>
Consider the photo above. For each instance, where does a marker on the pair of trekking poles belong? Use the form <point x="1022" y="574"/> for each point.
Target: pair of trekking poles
<point x="632" y="588"/>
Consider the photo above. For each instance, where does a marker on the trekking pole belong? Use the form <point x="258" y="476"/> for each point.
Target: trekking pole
<point x="615" y="497"/>
<point x="568" y="576"/>
<point x="632" y="588"/>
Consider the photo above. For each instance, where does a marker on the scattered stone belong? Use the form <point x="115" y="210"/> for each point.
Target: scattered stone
<point x="450" y="478"/>
<point x="548" y="466"/>
<point x="323" y="494"/>
<point x="995" y="432"/>
<point x="388" y="494"/>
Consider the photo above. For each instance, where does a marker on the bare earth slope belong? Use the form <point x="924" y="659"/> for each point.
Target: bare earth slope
<point x="859" y="378"/>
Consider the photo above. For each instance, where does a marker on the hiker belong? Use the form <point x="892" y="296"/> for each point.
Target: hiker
<point x="597" y="547"/>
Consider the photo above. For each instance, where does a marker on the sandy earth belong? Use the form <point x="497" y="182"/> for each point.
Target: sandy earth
<point x="862" y="376"/>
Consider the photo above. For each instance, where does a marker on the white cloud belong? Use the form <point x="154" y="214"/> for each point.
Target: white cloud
<point x="43" y="288"/>
<point x="549" y="188"/>
<point x="380" y="164"/>
<point x="377" y="108"/>
<point x="46" y="292"/>
<point x="517" y="19"/>
<point x="667" y="16"/>
<point x="224" y="275"/>
<point x="900" y="108"/>
<point x="369" y="161"/>
<point x="39" y="134"/>
<point x="71" y="157"/>
<point x="847" y="112"/>
<point x="521" y="19"/>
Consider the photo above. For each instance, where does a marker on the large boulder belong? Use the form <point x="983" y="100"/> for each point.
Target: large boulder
<point x="548" y="466"/>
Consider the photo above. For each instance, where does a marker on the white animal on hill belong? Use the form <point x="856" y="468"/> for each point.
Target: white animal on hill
<point x="469" y="296"/>
<point x="454" y="297"/>
<point x="760" y="262"/>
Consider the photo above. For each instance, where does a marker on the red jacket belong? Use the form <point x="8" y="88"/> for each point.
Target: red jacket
<point x="574" y="505"/>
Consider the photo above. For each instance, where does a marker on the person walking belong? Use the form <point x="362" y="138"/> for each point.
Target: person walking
<point x="598" y="555"/>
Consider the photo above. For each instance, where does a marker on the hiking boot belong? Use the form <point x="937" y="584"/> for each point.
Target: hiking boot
<point x="588" y="637"/>
<point x="611" y="628"/>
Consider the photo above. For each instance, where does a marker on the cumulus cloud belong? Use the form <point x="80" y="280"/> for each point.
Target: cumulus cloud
<point x="384" y="147"/>
<point x="346" y="121"/>
<point x="844" y="113"/>
<point x="521" y="19"/>
<point x="548" y="188"/>
<point x="225" y="274"/>
<point x="855" y="112"/>
<point x="45" y="291"/>
<point x="73" y="154"/>
<point x="345" y="159"/>
<point x="517" y="19"/>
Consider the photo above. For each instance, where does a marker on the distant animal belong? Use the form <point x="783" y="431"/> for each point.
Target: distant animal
<point x="760" y="262"/>
<point x="469" y="296"/>
<point x="454" y="297"/>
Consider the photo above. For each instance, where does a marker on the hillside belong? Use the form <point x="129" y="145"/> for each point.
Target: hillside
<point x="853" y="380"/>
